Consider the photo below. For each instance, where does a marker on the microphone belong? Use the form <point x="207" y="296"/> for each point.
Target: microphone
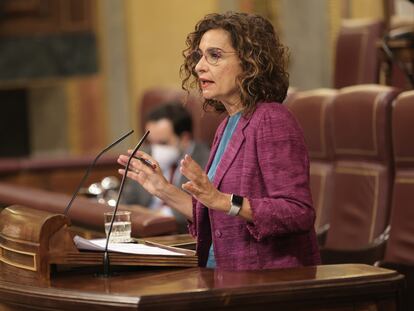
<point x="106" y="262"/>
<point x="91" y="166"/>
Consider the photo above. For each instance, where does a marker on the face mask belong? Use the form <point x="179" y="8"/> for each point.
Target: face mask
<point x="165" y="155"/>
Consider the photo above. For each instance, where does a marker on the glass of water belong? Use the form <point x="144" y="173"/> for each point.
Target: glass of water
<point x="121" y="229"/>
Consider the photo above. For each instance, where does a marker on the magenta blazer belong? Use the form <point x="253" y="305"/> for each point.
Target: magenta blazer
<point x="266" y="162"/>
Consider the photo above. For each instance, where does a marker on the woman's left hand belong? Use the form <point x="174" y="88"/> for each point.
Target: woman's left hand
<point x="200" y="187"/>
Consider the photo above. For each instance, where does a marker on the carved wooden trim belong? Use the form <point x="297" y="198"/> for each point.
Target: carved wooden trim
<point x="4" y="258"/>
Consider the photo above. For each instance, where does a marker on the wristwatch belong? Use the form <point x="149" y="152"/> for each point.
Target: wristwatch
<point x="236" y="205"/>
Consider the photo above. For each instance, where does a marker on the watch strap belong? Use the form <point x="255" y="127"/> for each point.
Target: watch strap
<point x="236" y="205"/>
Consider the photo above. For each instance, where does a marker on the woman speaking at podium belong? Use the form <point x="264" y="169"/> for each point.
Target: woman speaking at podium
<point x="251" y="208"/>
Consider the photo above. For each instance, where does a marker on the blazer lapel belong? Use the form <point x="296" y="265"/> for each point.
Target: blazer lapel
<point x="216" y="142"/>
<point x="200" y="209"/>
<point x="232" y="149"/>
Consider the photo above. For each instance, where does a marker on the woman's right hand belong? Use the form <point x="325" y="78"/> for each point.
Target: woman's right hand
<point x="150" y="178"/>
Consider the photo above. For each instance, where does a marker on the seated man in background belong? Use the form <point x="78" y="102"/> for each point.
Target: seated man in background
<point x="170" y="138"/>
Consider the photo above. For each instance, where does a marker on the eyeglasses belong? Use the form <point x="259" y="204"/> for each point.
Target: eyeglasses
<point x="212" y="55"/>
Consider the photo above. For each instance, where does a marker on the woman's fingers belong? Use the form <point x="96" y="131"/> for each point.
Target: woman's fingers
<point x="199" y="184"/>
<point x="138" y="153"/>
<point x="122" y="159"/>
<point x="191" y="188"/>
<point x="137" y="163"/>
<point x="138" y="171"/>
<point x="190" y="169"/>
<point x="131" y="175"/>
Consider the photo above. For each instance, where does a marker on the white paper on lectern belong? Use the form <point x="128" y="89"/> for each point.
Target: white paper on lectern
<point x="128" y="248"/>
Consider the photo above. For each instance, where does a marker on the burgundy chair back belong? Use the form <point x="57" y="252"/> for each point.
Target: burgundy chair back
<point x="204" y="123"/>
<point x="291" y="94"/>
<point x="155" y="97"/>
<point x="313" y="111"/>
<point x="356" y="49"/>
<point x="363" y="165"/>
<point x="400" y="246"/>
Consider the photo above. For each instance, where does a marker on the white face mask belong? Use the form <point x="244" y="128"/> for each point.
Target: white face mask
<point x="165" y="155"/>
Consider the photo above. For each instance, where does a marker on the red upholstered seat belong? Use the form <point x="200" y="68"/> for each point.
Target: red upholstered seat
<point x="313" y="111"/>
<point x="204" y="123"/>
<point x="362" y="173"/>
<point x="400" y="247"/>
<point x="399" y="252"/>
<point x="356" y="60"/>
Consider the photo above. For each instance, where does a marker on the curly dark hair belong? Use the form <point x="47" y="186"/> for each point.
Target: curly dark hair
<point x="262" y="56"/>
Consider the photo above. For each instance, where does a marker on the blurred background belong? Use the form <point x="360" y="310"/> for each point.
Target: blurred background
<point x="77" y="74"/>
<point x="73" y="72"/>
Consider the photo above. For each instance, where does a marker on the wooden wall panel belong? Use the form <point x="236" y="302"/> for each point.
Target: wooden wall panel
<point x="28" y="17"/>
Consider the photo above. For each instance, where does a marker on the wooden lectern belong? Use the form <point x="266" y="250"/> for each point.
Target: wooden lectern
<point x="32" y="241"/>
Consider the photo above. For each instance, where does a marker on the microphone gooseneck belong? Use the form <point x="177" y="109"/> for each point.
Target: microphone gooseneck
<point x="106" y="261"/>
<point x="91" y="166"/>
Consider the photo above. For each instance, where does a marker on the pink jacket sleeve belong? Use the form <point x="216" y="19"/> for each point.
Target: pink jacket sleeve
<point x="284" y="165"/>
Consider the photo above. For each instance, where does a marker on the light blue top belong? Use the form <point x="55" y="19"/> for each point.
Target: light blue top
<point x="225" y="139"/>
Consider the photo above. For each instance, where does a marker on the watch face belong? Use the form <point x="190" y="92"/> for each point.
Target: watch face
<point x="236" y="204"/>
<point x="237" y="200"/>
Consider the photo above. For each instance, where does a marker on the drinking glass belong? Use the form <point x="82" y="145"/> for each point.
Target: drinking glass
<point x="121" y="229"/>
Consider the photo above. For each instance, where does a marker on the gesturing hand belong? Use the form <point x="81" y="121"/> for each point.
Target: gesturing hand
<point x="150" y="178"/>
<point x="200" y="186"/>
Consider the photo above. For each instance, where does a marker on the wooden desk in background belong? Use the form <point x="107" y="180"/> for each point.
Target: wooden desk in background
<point x="331" y="287"/>
<point x="58" y="174"/>
<point x="84" y="212"/>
